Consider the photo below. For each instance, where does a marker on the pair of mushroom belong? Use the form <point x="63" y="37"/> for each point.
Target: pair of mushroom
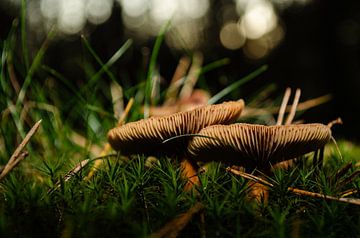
<point x="202" y="134"/>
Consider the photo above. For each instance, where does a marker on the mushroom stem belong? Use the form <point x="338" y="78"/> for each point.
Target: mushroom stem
<point x="258" y="186"/>
<point x="189" y="172"/>
<point x="258" y="192"/>
<point x="174" y="227"/>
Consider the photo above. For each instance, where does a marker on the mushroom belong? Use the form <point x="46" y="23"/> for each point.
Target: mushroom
<point x="257" y="146"/>
<point x="148" y="136"/>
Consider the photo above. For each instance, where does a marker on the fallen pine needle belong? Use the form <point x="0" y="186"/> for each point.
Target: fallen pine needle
<point x="349" y="192"/>
<point x="175" y="226"/>
<point x="297" y="191"/>
<point x="18" y="155"/>
<point x="250" y="177"/>
<point x="76" y="170"/>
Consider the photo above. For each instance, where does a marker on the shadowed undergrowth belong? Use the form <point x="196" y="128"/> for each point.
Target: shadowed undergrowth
<point x="129" y="197"/>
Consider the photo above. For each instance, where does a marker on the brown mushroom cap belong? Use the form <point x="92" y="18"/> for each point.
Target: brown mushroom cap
<point x="253" y="146"/>
<point x="147" y="135"/>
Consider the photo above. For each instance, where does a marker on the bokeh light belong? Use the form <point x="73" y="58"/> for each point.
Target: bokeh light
<point x="259" y="19"/>
<point x="231" y="36"/>
<point x="134" y="8"/>
<point x="162" y="10"/>
<point x="71" y="18"/>
<point x="251" y="25"/>
<point x="193" y="8"/>
<point x="97" y="12"/>
<point x="50" y="8"/>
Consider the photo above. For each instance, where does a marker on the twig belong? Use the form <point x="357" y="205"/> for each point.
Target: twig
<point x="354" y="201"/>
<point x="349" y="192"/>
<point x="17" y="156"/>
<point x="294" y="105"/>
<point x="126" y="112"/>
<point x="180" y="72"/>
<point x="78" y="167"/>
<point x="70" y="174"/>
<point x="250" y="111"/>
<point x="349" y="179"/>
<point x="250" y="177"/>
<point x="283" y="106"/>
<point x="342" y="171"/>
<point x="192" y="76"/>
<point x="297" y="191"/>
<point x="175" y="226"/>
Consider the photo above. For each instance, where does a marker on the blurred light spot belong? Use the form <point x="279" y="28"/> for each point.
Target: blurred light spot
<point x="193" y="8"/>
<point x="241" y="6"/>
<point x="275" y="36"/>
<point x="162" y="10"/>
<point x="133" y="22"/>
<point x="49" y="8"/>
<point x="134" y="8"/>
<point x="187" y="35"/>
<point x="98" y="12"/>
<point x="71" y="16"/>
<point x="33" y="16"/>
<point x="256" y="49"/>
<point x="231" y="36"/>
<point x="259" y="19"/>
<point x="228" y="13"/>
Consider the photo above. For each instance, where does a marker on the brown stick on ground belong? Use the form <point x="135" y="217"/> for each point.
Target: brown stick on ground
<point x="297" y="191"/>
<point x="17" y="156"/>
<point x="173" y="228"/>
<point x="354" y="201"/>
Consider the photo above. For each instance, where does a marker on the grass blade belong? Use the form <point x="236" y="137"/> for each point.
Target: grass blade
<point x="35" y="64"/>
<point x="214" y="65"/>
<point x="24" y="35"/>
<point x="152" y="65"/>
<point x="237" y="84"/>
<point x="105" y="67"/>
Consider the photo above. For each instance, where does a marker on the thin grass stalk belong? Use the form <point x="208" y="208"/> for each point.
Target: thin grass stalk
<point x="152" y="66"/>
<point x="284" y="103"/>
<point x="237" y="84"/>
<point x="293" y="109"/>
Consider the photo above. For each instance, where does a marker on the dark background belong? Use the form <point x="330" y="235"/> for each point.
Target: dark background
<point x="319" y="54"/>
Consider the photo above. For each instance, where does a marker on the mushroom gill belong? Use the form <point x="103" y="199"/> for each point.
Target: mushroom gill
<point x="147" y="135"/>
<point x="257" y="146"/>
